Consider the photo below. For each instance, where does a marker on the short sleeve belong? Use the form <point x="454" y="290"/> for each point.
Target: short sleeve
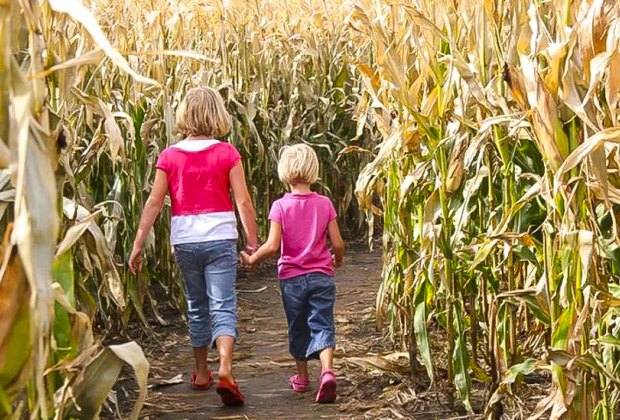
<point x="331" y="211"/>
<point x="275" y="215"/>
<point x="163" y="162"/>
<point x="233" y="157"/>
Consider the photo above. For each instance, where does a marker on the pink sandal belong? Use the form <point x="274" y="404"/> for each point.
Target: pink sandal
<point x="298" y="384"/>
<point x="327" y="388"/>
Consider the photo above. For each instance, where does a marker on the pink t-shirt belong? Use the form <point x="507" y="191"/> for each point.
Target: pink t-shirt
<point x="304" y="219"/>
<point x="198" y="181"/>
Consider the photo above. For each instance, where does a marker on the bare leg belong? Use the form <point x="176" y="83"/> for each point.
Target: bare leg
<point x="225" y="345"/>
<point x="327" y="359"/>
<point x="202" y="369"/>
<point x="302" y="369"/>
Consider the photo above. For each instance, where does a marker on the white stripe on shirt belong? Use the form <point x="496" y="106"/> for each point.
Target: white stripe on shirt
<point x="203" y="227"/>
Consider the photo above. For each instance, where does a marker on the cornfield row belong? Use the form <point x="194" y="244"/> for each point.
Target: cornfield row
<point x="89" y="95"/>
<point x="496" y="178"/>
<point x="499" y="190"/>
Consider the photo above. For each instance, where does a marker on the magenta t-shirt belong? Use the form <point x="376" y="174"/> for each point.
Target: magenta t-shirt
<point x="304" y="219"/>
<point x="199" y="181"/>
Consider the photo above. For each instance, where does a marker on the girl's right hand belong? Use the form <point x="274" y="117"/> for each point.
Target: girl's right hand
<point x="135" y="261"/>
<point x="337" y="263"/>
<point x="250" y="249"/>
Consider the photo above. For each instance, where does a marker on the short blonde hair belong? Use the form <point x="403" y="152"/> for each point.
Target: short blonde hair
<point x="203" y="113"/>
<point x="298" y="165"/>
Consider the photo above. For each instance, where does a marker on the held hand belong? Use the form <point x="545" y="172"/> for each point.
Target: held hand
<point x="135" y="261"/>
<point x="245" y="260"/>
<point x="250" y="249"/>
<point x="337" y="263"/>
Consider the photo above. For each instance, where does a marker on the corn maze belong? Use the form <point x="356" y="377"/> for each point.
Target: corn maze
<point x="477" y="139"/>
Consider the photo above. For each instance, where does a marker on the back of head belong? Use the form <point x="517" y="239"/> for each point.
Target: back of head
<point x="298" y="165"/>
<point x="203" y="113"/>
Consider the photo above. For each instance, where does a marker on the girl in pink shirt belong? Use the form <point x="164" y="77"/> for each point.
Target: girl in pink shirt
<point x="300" y="224"/>
<point x="199" y="173"/>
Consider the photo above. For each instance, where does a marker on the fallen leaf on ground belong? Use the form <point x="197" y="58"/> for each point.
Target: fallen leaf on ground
<point x="172" y="381"/>
<point x="380" y="362"/>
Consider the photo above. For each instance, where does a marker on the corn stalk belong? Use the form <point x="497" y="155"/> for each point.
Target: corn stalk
<point x="50" y="364"/>
<point x="507" y="232"/>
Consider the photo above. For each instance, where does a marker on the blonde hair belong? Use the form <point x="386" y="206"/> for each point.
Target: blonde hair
<point x="298" y="165"/>
<point x="203" y="112"/>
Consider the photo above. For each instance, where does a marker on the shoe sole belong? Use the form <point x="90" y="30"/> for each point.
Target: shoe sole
<point x="327" y="393"/>
<point x="228" y="397"/>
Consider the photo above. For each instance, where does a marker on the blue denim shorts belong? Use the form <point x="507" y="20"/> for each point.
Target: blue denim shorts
<point x="209" y="271"/>
<point x="309" y="306"/>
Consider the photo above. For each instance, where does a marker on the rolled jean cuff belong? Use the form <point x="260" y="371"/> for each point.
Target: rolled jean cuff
<point x="315" y="349"/>
<point x="223" y="332"/>
<point x="200" y="342"/>
<point x="297" y="356"/>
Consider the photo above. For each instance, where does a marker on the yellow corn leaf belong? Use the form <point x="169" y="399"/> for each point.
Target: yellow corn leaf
<point x="591" y="144"/>
<point x="456" y="166"/>
<point x="591" y="28"/>
<point x="514" y="78"/>
<point x="75" y="211"/>
<point x="75" y="232"/>
<point x="4" y="155"/>
<point x="81" y="14"/>
<point x="612" y="85"/>
<point x="91" y="57"/>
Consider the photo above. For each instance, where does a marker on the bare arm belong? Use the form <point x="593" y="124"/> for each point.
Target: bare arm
<point x="244" y="205"/>
<point x="337" y="243"/>
<point x="269" y="248"/>
<point x="152" y="208"/>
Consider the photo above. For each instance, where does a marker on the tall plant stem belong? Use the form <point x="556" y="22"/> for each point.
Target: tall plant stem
<point x="447" y="261"/>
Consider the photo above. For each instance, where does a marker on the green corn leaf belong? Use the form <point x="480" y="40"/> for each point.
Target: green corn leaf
<point x="562" y="329"/>
<point x="62" y="273"/>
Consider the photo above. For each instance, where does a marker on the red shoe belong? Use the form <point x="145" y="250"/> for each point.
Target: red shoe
<point x="200" y="387"/>
<point x="229" y="392"/>
<point x="327" y="388"/>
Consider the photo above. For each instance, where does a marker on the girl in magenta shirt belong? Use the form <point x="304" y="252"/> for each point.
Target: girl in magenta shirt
<point x="300" y="224"/>
<point x="199" y="173"/>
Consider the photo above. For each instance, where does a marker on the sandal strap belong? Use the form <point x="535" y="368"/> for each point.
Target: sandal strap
<point x="300" y="381"/>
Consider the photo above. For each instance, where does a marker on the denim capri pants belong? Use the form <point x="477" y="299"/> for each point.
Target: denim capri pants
<point x="309" y="306"/>
<point x="209" y="271"/>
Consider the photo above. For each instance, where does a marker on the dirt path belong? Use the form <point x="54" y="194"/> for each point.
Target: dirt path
<point x="262" y="363"/>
